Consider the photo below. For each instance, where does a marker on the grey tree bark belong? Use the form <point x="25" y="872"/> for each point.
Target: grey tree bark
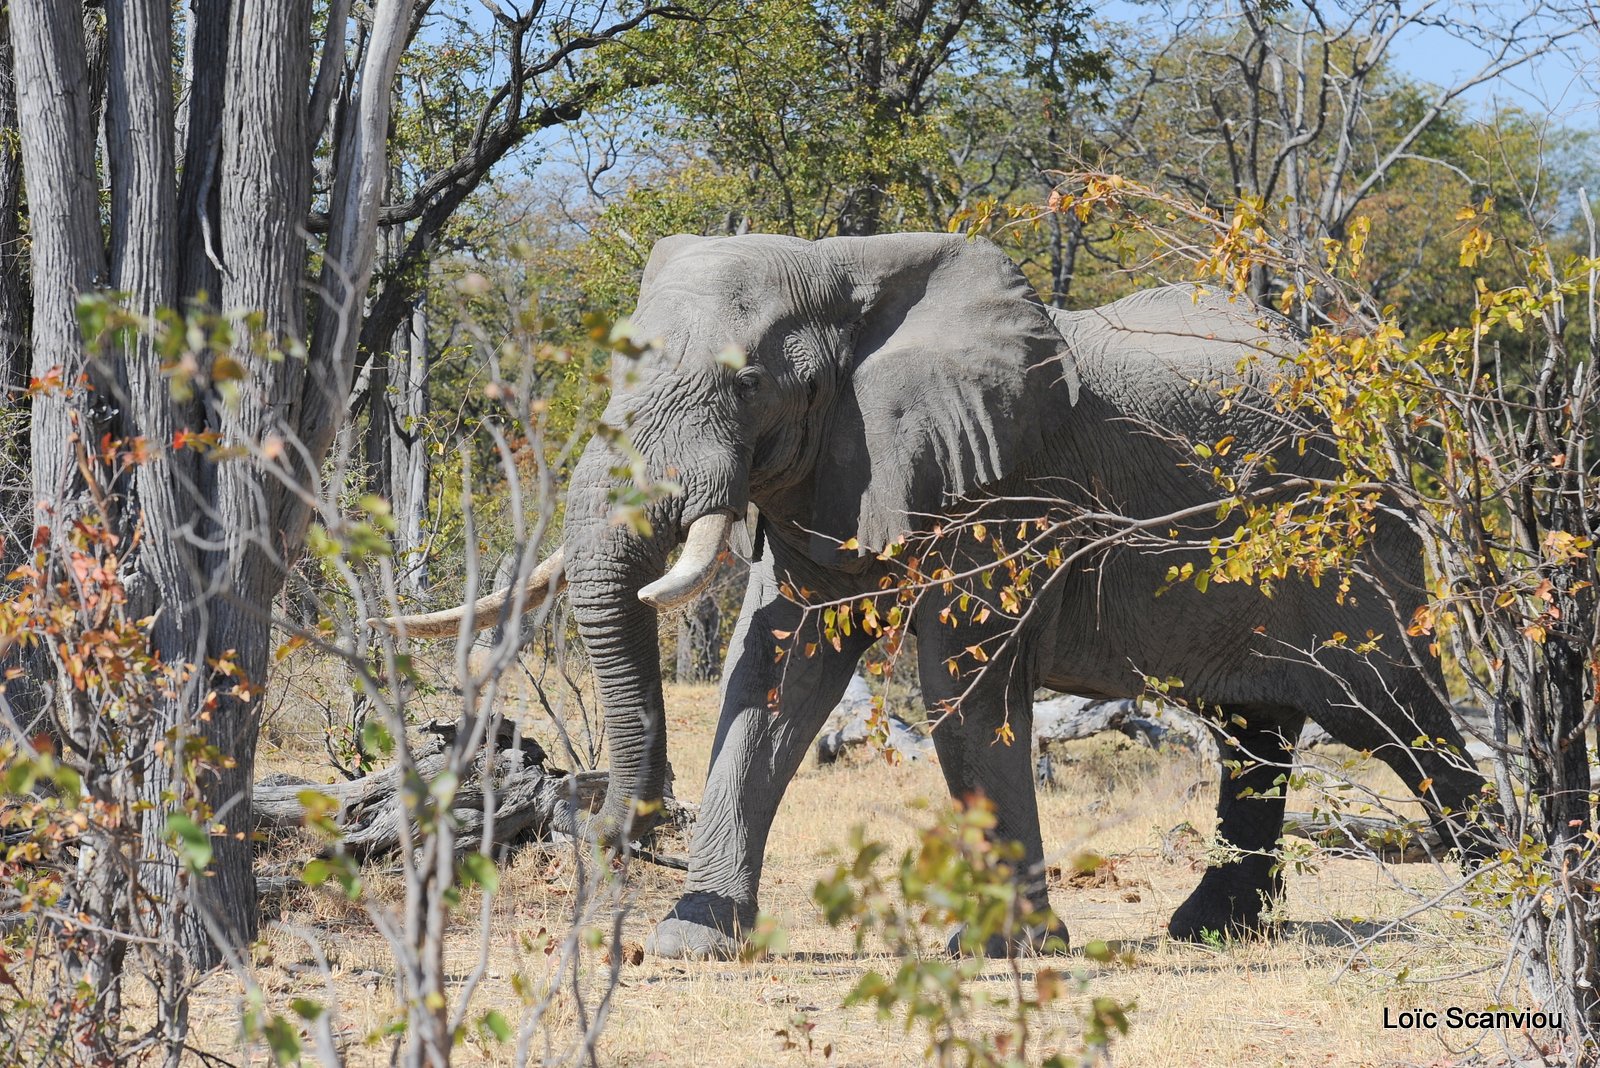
<point x="264" y="189"/>
<point x="199" y="200"/>
<point x="234" y="230"/>
<point x="56" y="115"/>
<point x="408" y="452"/>
<point x="13" y="279"/>
<point x="396" y="389"/>
<point x="28" y="693"/>
<point x="56" y="118"/>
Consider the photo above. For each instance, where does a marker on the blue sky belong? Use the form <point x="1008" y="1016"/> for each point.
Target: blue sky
<point x="1565" y="85"/>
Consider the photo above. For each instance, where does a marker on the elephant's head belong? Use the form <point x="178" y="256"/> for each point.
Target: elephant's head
<point x="846" y="386"/>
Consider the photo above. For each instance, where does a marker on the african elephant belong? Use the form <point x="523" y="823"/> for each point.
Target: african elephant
<point x="883" y="382"/>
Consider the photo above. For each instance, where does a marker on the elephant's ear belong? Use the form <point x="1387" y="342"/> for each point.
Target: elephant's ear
<point x="958" y="376"/>
<point x="663" y="252"/>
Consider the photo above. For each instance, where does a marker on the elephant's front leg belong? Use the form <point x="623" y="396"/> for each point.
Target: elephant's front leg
<point x="979" y="759"/>
<point x="759" y="745"/>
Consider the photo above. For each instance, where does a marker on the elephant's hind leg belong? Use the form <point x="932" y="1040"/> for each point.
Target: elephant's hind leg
<point x="1233" y="895"/>
<point x="1395" y="714"/>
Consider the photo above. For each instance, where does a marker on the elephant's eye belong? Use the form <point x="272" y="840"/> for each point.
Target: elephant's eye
<point x="748" y="382"/>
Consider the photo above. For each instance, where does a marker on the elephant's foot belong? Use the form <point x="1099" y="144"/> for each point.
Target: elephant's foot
<point x="609" y="832"/>
<point x="702" y="926"/>
<point x="1224" y="907"/>
<point x="1033" y="940"/>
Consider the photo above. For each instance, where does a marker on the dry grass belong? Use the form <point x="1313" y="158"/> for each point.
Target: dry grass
<point x="1292" y="1000"/>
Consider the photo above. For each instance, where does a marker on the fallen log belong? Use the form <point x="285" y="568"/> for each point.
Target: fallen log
<point x="1057" y="719"/>
<point x="849" y="726"/>
<point x="1063" y="718"/>
<point x="1067" y="718"/>
<point x="532" y="802"/>
<point x="1394" y="843"/>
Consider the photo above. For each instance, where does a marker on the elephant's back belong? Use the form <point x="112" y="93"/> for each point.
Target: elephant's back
<point x="1188" y="365"/>
<point x="1181" y="343"/>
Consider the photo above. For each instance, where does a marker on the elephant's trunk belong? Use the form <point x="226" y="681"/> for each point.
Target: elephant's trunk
<point x="613" y="570"/>
<point x="622" y="636"/>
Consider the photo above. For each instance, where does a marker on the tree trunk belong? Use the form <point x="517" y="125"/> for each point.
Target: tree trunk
<point x="141" y="161"/>
<point x="700" y="641"/>
<point x="56" y="118"/>
<point x="375" y="378"/>
<point x="396" y="387"/>
<point x="94" y="44"/>
<point x="199" y="192"/>
<point x="27" y="694"/>
<point x="13" y="272"/>
<point x="264" y="193"/>
<point x="1066" y="239"/>
<point x="1558" y="717"/>
<point x="894" y="69"/>
<point x="408" y="452"/>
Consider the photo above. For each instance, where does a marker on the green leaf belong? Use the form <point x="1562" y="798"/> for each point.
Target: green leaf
<point x="375" y="738"/>
<point x="190" y="840"/>
<point x="479" y="869"/>
<point x="20" y="777"/>
<point x="494" y="1024"/>
<point x="307" y="1009"/>
<point x="70" y="785"/>
<point x="283" y="1040"/>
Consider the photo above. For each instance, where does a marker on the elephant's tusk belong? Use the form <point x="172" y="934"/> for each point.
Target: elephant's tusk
<point x="708" y="536"/>
<point x="546" y="581"/>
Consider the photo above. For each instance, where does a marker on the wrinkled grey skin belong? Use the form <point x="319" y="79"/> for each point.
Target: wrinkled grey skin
<point x="887" y="379"/>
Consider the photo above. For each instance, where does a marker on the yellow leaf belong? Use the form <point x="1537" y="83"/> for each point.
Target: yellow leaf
<point x="1047" y="984"/>
<point x="227" y="369"/>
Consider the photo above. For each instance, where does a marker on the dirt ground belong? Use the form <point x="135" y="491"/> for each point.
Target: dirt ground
<point x="1312" y="996"/>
